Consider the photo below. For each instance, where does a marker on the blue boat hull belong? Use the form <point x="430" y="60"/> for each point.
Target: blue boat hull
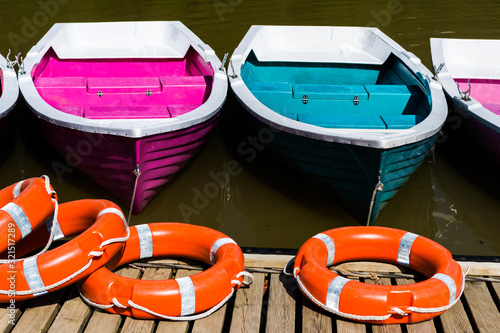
<point x="352" y="173"/>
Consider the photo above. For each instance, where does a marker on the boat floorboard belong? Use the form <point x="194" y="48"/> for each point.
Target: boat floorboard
<point x="273" y="303"/>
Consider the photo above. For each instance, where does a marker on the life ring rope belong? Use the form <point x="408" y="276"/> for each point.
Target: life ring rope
<point x="378" y="304"/>
<point x="16" y="192"/>
<point x="379" y="318"/>
<point x="30" y="263"/>
<point x="174" y="318"/>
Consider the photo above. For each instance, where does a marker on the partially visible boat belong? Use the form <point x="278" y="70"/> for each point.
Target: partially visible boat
<point x="346" y="105"/>
<point x="9" y="89"/>
<point x="128" y="103"/>
<point x="469" y="71"/>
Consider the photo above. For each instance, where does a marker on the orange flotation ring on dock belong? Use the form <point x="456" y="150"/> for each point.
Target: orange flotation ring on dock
<point x="102" y="229"/>
<point x="175" y="299"/>
<point x="376" y="303"/>
<point x="25" y="206"/>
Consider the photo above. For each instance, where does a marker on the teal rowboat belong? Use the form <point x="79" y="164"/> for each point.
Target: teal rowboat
<point x="347" y="106"/>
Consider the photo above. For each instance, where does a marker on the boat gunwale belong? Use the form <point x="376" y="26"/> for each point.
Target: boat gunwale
<point x="10" y="88"/>
<point x="375" y="138"/>
<point x="471" y="107"/>
<point x="134" y="128"/>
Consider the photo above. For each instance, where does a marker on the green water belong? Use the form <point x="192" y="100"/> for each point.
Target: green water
<point x="453" y="198"/>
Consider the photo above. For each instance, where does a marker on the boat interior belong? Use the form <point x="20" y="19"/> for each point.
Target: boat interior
<point x="485" y="91"/>
<point x="340" y="95"/>
<point x="135" y="88"/>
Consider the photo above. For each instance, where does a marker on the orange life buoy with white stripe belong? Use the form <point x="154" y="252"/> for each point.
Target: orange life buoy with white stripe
<point x="25" y="206"/>
<point x="376" y="303"/>
<point x="172" y="298"/>
<point x="102" y="228"/>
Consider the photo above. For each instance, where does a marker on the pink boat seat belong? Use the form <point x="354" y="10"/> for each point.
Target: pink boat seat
<point x="123" y="85"/>
<point x="180" y="109"/>
<point x="126" y="112"/>
<point x="495" y="108"/>
<point x="74" y="110"/>
<point x="184" y="89"/>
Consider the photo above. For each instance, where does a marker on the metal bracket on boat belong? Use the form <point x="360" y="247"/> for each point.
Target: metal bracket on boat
<point x="10" y="63"/>
<point x="99" y="93"/>
<point x="20" y="63"/>
<point x="233" y="76"/>
<point x="437" y="70"/>
<point x="355" y="100"/>
<point x="149" y="93"/>
<point x="464" y="94"/>
<point x="305" y="99"/>
<point x="222" y="68"/>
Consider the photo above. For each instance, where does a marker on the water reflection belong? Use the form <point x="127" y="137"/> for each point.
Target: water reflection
<point x="447" y="199"/>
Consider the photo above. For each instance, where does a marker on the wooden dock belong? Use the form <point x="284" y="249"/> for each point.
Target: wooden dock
<point x="272" y="303"/>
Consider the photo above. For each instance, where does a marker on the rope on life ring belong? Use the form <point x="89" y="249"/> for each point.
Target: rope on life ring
<point x="102" y="229"/>
<point x="187" y="298"/>
<point x="376" y="303"/>
<point x="26" y="205"/>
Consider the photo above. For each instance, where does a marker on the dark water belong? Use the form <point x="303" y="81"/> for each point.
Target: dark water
<point x="453" y="198"/>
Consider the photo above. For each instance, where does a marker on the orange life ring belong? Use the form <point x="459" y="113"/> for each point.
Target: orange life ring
<point x="172" y="298"/>
<point x="375" y="303"/>
<point x="104" y="230"/>
<point x="25" y="206"/>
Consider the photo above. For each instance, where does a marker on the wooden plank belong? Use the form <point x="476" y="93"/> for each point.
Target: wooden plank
<point x="267" y="260"/>
<point x="176" y="326"/>
<point x="9" y="317"/>
<point x="213" y="323"/>
<point x="281" y="307"/>
<point x="138" y="325"/>
<point x="248" y="306"/>
<point x="455" y="320"/>
<point x="482" y="306"/>
<point x="39" y="316"/>
<point x="104" y="322"/>
<point x="73" y="315"/>
<point x="481" y="268"/>
<point x="314" y="319"/>
<point x="426" y="326"/>
<point x="393" y="328"/>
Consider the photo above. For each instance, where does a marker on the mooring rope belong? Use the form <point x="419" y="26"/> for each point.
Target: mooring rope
<point x="137" y="174"/>
<point x="379" y="187"/>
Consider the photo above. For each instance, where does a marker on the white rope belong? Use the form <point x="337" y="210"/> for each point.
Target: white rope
<point x="183" y="318"/>
<point x="55" y="223"/>
<point x="57" y="284"/>
<point x="442" y="308"/>
<point x="380" y="318"/>
<point x="174" y="318"/>
<point x="89" y="302"/>
<point x="243" y="273"/>
<point x="118" y="304"/>
<point x="291" y="262"/>
<point x="342" y="314"/>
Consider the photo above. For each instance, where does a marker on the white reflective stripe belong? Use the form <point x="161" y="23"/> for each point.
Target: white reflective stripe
<point x="405" y="248"/>
<point x="188" y="298"/>
<point x="17" y="189"/>
<point x="113" y="211"/>
<point x="58" y="234"/>
<point x="330" y="246"/>
<point x="216" y="245"/>
<point x="333" y="293"/>
<point x="19" y="217"/>
<point x="145" y="240"/>
<point x="32" y="276"/>
<point x="452" y="287"/>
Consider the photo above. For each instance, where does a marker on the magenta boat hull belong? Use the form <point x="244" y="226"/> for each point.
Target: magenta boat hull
<point x="111" y="160"/>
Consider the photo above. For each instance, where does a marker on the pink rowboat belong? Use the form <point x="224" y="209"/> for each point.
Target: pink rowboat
<point x="9" y="90"/>
<point x="117" y="98"/>
<point x="469" y="71"/>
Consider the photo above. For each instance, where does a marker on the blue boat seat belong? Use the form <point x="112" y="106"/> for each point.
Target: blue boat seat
<point x="329" y="91"/>
<point x="402" y="121"/>
<point x="343" y="121"/>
